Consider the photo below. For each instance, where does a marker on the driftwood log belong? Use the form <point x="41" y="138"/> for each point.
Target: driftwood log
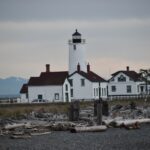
<point x="128" y="124"/>
<point x="89" y="129"/>
<point x="44" y="133"/>
<point x="20" y="136"/>
<point x="16" y="125"/>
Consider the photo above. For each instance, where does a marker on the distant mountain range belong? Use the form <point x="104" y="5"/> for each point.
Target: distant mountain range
<point x="11" y="86"/>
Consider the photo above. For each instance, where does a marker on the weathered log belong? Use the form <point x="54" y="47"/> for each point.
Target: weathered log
<point x="62" y="126"/>
<point x="40" y="133"/>
<point x="131" y="122"/>
<point x="20" y="136"/>
<point x="18" y="133"/>
<point x="128" y="124"/>
<point x="132" y="126"/>
<point x="16" y="125"/>
<point x="89" y="129"/>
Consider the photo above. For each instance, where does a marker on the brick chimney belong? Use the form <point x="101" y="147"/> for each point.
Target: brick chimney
<point x="78" y="67"/>
<point x="128" y="68"/>
<point x="47" y="68"/>
<point x="88" y="67"/>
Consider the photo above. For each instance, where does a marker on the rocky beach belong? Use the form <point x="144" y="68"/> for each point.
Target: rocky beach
<point x="113" y="139"/>
<point x="123" y="127"/>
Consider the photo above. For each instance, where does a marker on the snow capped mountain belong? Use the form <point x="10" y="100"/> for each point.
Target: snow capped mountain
<point x="11" y="85"/>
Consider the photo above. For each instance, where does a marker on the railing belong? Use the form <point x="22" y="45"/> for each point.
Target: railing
<point x="82" y="41"/>
<point x="124" y="97"/>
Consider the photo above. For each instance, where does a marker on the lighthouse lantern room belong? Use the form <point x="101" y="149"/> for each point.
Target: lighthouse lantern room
<point x="77" y="54"/>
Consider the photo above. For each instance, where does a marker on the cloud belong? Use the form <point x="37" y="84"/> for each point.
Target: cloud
<point x="63" y="25"/>
<point x="26" y="46"/>
<point x="68" y="9"/>
<point x="106" y="66"/>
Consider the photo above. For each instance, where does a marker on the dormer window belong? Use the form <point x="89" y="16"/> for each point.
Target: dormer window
<point x="121" y="78"/>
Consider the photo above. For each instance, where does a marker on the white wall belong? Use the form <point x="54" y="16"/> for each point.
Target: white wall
<point x="87" y="92"/>
<point x="77" y="56"/>
<point x="66" y="91"/>
<point x="48" y="92"/>
<point x="81" y="92"/>
<point x="24" y="99"/>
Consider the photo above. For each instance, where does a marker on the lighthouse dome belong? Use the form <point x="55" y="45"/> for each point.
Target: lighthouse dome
<point x="76" y="37"/>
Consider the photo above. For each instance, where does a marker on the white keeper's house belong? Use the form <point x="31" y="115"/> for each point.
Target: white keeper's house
<point x="79" y="83"/>
<point x="126" y="83"/>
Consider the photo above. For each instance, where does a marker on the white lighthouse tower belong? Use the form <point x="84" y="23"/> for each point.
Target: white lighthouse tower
<point x="77" y="53"/>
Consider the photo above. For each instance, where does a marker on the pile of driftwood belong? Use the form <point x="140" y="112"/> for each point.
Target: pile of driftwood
<point x="26" y="130"/>
<point x="40" y="123"/>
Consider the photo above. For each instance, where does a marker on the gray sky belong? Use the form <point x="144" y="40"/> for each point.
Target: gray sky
<point x="36" y="32"/>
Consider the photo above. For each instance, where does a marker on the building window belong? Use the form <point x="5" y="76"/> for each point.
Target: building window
<point x="97" y="91"/>
<point x="101" y="91"/>
<point x="66" y="87"/>
<point x="113" y="88"/>
<point x="82" y="82"/>
<point x="40" y="96"/>
<point x="121" y="79"/>
<point x="71" y="82"/>
<point x="142" y="88"/>
<point x="94" y="92"/>
<point x="56" y="96"/>
<point x="71" y="92"/>
<point x="129" y="89"/>
<point x="104" y="91"/>
<point x="74" y="47"/>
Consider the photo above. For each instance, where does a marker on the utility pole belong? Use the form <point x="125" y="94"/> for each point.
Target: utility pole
<point x="99" y="108"/>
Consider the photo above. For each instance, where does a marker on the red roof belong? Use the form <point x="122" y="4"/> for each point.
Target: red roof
<point x="132" y="74"/>
<point x="24" y="88"/>
<point x="91" y="76"/>
<point x="49" y="78"/>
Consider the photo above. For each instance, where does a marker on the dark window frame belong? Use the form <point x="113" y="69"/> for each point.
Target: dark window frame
<point x="129" y="89"/>
<point x="56" y="96"/>
<point x="66" y="87"/>
<point x="113" y="88"/>
<point x="82" y="82"/>
<point x="71" y="92"/>
<point x="40" y="96"/>
<point x="121" y="78"/>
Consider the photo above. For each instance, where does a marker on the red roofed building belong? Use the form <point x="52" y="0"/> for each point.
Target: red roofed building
<point x="87" y="85"/>
<point x="76" y="84"/>
<point x="126" y="83"/>
<point x="48" y="87"/>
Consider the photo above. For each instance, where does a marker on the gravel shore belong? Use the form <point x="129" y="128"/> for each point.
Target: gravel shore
<point x="112" y="139"/>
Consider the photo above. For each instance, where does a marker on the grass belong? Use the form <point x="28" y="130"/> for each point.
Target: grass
<point x="16" y="110"/>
